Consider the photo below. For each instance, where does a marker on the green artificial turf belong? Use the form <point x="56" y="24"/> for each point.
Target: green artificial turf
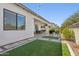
<point x="39" y="48"/>
<point x="65" y="50"/>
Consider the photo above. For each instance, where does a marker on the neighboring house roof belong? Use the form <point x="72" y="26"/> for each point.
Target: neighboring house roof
<point x="30" y="11"/>
<point x="75" y="25"/>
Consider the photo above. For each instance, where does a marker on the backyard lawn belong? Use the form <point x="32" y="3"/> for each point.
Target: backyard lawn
<point x="40" y="48"/>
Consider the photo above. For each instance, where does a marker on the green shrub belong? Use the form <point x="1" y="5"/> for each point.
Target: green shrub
<point x="68" y="34"/>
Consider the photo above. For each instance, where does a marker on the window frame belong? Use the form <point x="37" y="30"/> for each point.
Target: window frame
<point x="16" y="20"/>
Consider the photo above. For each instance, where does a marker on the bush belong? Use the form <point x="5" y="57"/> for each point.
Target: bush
<point x="68" y="34"/>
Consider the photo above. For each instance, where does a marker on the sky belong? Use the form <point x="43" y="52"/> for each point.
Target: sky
<point x="54" y="12"/>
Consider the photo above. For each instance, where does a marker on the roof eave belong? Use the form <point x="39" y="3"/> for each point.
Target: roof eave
<point x="29" y="10"/>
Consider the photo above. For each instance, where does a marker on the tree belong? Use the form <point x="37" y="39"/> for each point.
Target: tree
<point x="71" y="20"/>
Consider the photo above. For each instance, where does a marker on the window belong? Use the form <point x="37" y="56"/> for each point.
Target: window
<point x="9" y="20"/>
<point x="13" y="21"/>
<point x="20" y="22"/>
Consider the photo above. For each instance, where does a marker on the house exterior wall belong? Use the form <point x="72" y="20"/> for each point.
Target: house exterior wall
<point x="9" y="36"/>
<point x="76" y="32"/>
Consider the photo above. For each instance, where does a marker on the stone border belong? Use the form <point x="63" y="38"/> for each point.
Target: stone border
<point x="69" y="47"/>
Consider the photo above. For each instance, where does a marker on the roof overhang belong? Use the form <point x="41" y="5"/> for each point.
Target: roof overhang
<point x="30" y="11"/>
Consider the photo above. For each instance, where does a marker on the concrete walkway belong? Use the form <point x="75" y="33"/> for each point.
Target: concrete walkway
<point x="9" y="47"/>
<point x="49" y="40"/>
<point x="45" y="37"/>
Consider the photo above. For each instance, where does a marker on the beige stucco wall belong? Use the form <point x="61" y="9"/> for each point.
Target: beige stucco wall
<point x="76" y="32"/>
<point x="10" y="36"/>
